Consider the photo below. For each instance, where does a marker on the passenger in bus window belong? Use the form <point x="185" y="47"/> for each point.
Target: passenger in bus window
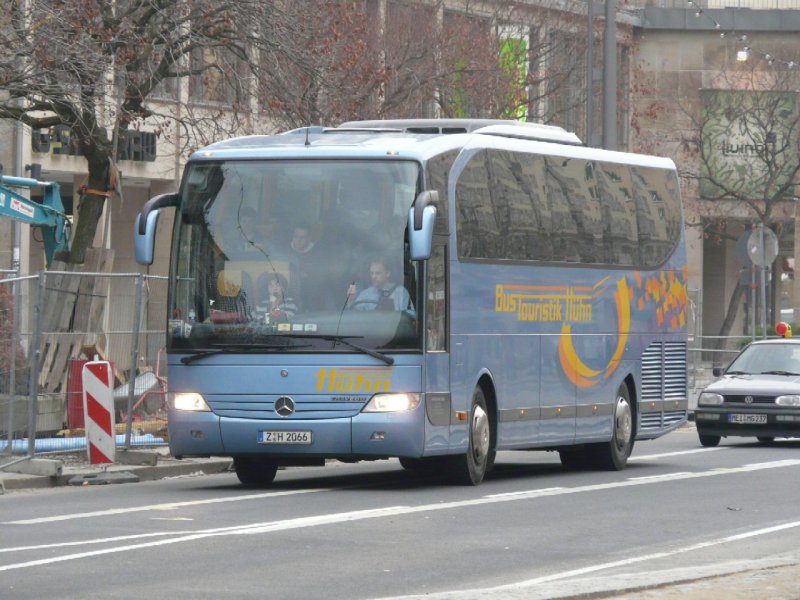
<point x="383" y="294"/>
<point x="278" y="306"/>
<point x="306" y="268"/>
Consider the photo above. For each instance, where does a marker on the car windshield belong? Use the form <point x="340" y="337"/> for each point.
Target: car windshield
<point x="778" y="359"/>
<point x="310" y="249"/>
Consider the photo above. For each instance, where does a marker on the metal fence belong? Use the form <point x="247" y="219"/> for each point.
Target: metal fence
<point x="51" y="325"/>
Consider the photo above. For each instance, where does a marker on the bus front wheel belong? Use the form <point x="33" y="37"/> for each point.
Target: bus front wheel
<point x="470" y="468"/>
<point x="255" y="471"/>
<point x="613" y="455"/>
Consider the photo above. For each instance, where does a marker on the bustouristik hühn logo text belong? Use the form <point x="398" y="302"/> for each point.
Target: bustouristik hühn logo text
<point x="659" y="298"/>
<point x="354" y="380"/>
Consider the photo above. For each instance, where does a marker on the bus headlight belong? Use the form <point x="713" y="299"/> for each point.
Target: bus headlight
<point x="792" y="400"/>
<point x="709" y="399"/>
<point x="190" y="401"/>
<point x="391" y="403"/>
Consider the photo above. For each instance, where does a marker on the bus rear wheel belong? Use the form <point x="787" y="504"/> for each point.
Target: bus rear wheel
<point x="470" y="468"/>
<point x="613" y="455"/>
<point x="255" y="471"/>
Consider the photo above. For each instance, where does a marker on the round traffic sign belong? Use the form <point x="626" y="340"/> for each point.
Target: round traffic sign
<point x="762" y="255"/>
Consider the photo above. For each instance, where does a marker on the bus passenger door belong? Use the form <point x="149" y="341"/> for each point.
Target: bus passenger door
<point x="437" y="351"/>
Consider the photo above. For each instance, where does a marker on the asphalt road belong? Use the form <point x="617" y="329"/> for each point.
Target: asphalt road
<point x="678" y="513"/>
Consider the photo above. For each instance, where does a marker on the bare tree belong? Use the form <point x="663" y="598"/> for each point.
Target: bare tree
<point x="103" y="67"/>
<point x="498" y="59"/>
<point x="95" y="66"/>
<point x="736" y="141"/>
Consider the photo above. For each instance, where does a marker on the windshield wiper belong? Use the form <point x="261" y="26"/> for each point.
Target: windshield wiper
<point x="237" y="349"/>
<point x="779" y="373"/>
<point x="343" y="339"/>
<point x="737" y="373"/>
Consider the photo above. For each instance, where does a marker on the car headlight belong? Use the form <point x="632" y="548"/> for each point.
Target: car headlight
<point x="792" y="400"/>
<point x="709" y="399"/>
<point x="391" y="403"/>
<point x="190" y="401"/>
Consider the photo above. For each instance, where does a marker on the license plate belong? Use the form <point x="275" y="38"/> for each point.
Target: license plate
<point x="284" y="437"/>
<point x="748" y="419"/>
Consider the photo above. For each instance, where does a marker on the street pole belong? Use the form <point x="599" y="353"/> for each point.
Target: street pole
<point x="610" y="77"/>
<point x="762" y="281"/>
<point x="589" y="72"/>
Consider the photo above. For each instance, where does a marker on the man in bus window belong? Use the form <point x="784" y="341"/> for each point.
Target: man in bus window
<point x="383" y="294"/>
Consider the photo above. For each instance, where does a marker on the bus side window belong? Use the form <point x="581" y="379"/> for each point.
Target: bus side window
<point x="436" y="313"/>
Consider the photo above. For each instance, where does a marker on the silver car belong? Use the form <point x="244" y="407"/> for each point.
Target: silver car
<point x="758" y="395"/>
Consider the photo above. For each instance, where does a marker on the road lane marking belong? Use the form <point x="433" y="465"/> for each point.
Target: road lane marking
<point x="174" y="505"/>
<point x="677" y="453"/>
<point x="655" y="556"/>
<point x="164" y="506"/>
<point x="395" y="511"/>
<point x="528" y="587"/>
<point x="662" y="476"/>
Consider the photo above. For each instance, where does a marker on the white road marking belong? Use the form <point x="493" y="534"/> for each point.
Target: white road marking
<point x="528" y="588"/>
<point x="678" y="453"/>
<point x="165" y="506"/>
<point x="395" y="511"/>
<point x="174" y="505"/>
<point x="654" y="556"/>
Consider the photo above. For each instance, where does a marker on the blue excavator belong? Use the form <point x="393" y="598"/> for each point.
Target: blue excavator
<point x="48" y="215"/>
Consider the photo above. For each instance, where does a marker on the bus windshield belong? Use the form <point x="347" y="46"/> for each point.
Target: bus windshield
<point x="294" y="255"/>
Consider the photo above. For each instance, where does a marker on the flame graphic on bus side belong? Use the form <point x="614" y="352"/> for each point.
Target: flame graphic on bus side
<point x="661" y="297"/>
<point x="574" y="368"/>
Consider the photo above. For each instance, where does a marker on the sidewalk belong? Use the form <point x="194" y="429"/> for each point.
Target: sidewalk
<point x="141" y="464"/>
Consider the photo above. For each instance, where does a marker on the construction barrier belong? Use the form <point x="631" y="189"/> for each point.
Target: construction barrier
<point x="98" y="408"/>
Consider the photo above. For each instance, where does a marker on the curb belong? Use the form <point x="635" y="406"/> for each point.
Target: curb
<point x="116" y="474"/>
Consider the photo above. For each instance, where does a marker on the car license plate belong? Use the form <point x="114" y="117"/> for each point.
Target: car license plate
<point x="748" y="419"/>
<point x="284" y="437"/>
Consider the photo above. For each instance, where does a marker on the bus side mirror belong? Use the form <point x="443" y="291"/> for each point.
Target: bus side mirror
<point x="144" y="228"/>
<point x="421" y="218"/>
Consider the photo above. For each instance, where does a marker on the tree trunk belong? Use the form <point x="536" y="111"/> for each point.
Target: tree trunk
<point x="730" y="316"/>
<point x="90" y="209"/>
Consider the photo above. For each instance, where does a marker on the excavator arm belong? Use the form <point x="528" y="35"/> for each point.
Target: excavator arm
<point x="48" y="216"/>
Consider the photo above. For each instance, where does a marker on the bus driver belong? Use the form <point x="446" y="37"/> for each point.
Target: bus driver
<point x="382" y="294"/>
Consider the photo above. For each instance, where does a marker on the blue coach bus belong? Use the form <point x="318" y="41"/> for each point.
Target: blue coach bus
<point x="431" y="290"/>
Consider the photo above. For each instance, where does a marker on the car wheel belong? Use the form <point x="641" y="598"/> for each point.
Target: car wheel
<point x="765" y="439"/>
<point x="470" y="468"/>
<point x="709" y="441"/>
<point x="255" y="471"/>
<point x="613" y="455"/>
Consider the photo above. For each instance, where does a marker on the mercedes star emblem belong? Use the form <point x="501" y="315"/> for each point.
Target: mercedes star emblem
<point x="284" y="406"/>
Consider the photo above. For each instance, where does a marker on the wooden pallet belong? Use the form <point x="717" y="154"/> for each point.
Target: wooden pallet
<point x="72" y="316"/>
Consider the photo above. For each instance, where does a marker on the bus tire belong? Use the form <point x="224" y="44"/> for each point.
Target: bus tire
<point x="613" y="455"/>
<point x="765" y="439"/>
<point x="470" y="468"/>
<point x="255" y="471"/>
<point x="709" y="441"/>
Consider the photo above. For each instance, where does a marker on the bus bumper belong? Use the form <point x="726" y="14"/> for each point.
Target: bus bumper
<point x="367" y="435"/>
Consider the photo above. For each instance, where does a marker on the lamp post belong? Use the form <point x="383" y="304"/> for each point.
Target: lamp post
<point x="610" y="77"/>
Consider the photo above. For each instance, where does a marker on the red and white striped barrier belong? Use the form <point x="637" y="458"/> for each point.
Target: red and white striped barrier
<point x="98" y="408"/>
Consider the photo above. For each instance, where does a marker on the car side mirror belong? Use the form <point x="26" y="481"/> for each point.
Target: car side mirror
<point x="718" y="371"/>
